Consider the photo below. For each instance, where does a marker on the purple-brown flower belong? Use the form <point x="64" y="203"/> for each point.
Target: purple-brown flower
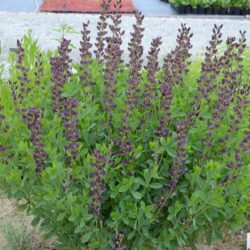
<point x="152" y="68"/>
<point x="174" y="68"/>
<point x="118" y="242"/>
<point x="70" y="121"/>
<point x="85" y="56"/>
<point x="32" y="119"/>
<point x="39" y="72"/>
<point x="135" y="57"/>
<point x="61" y="72"/>
<point x="97" y="184"/>
<point x="102" y="31"/>
<point x="210" y="67"/>
<point x="179" y="161"/>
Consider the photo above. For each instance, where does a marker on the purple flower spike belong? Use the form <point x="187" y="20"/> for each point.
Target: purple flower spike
<point x="70" y="121"/>
<point x="85" y="56"/>
<point x="102" y="31"/>
<point x="210" y="67"/>
<point x="61" y="71"/>
<point x="116" y="31"/>
<point x="180" y="160"/>
<point x="32" y="119"/>
<point x="97" y="183"/>
<point x="152" y="68"/>
<point x="39" y="73"/>
<point x="174" y="68"/>
<point x="135" y="57"/>
<point x="227" y="89"/>
<point x="118" y="242"/>
<point x="21" y="87"/>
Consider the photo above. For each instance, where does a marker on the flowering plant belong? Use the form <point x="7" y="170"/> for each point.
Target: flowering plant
<point x="114" y="155"/>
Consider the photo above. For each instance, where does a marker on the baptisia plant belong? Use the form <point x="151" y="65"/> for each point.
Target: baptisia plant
<point x="141" y="154"/>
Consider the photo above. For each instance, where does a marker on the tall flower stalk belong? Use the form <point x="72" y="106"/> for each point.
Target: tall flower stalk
<point x="210" y="67"/>
<point x="135" y="57"/>
<point x="174" y="68"/>
<point x="178" y="166"/>
<point x="102" y="31"/>
<point x="20" y="87"/>
<point x="66" y="107"/>
<point x="70" y="122"/>
<point x="23" y="75"/>
<point x="117" y="33"/>
<point x="85" y="56"/>
<point x="39" y="72"/>
<point x="97" y="183"/>
<point x="2" y="117"/>
<point x="227" y="89"/>
<point x="32" y="119"/>
<point x="135" y="61"/>
<point x="61" y="71"/>
<point x="152" y="68"/>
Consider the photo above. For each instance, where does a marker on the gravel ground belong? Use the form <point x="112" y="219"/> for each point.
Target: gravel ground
<point x="43" y="25"/>
<point x="20" y="5"/>
<point x="16" y="231"/>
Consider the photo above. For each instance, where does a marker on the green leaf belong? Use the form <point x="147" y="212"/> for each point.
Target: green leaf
<point x="131" y="235"/>
<point x="156" y="185"/>
<point x="35" y="221"/>
<point x="86" y="237"/>
<point x="61" y="216"/>
<point x="147" y="175"/>
<point x="136" y="195"/>
<point x="171" y="152"/>
<point x="123" y="188"/>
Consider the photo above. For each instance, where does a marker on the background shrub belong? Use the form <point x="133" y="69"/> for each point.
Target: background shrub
<point x="109" y="155"/>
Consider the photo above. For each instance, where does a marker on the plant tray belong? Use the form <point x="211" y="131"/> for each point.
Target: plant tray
<point x="211" y="10"/>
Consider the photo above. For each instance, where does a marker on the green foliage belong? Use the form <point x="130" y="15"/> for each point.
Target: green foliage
<point x="204" y="204"/>
<point x="212" y="3"/>
<point x="1" y="64"/>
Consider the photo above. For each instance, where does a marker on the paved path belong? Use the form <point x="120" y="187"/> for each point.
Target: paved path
<point x="154" y="7"/>
<point x="20" y="5"/>
<point x="13" y="26"/>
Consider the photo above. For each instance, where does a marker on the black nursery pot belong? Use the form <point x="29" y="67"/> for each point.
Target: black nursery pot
<point x="216" y="10"/>
<point x="236" y="11"/>
<point x="201" y="10"/>
<point x="194" y="10"/>
<point x="188" y="9"/>
<point x="208" y="11"/>
<point x="243" y="12"/>
<point x="223" y="11"/>
<point x="181" y="10"/>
